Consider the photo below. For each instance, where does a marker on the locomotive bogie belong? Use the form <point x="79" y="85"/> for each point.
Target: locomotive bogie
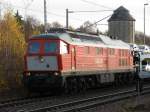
<point x="38" y="81"/>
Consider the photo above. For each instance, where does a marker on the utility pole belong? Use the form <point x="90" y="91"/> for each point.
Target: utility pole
<point x="67" y="21"/>
<point x="27" y="4"/>
<point x="144" y="23"/>
<point x="0" y="11"/>
<point x="45" y="17"/>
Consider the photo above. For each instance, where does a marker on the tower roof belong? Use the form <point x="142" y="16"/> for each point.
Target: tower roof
<point x="121" y="14"/>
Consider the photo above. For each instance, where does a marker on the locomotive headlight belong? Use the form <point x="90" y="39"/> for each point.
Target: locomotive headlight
<point x="41" y="59"/>
<point x="56" y="73"/>
<point x="28" y="74"/>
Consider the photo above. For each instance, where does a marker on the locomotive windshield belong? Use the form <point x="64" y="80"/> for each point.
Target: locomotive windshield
<point x="34" y="47"/>
<point x="50" y="47"/>
<point x="46" y="47"/>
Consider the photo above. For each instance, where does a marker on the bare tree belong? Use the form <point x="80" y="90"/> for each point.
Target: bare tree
<point x="56" y="25"/>
<point x="88" y="27"/>
<point x="139" y="38"/>
<point x="31" y="26"/>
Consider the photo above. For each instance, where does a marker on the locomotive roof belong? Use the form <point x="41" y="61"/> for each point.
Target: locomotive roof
<point x="114" y="43"/>
<point x="74" y="38"/>
<point x="77" y="38"/>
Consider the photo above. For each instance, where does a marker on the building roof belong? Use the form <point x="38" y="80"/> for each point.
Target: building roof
<point x="121" y="14"/>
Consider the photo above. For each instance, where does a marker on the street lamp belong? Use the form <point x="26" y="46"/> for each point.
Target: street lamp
<point x="144" y="21"/>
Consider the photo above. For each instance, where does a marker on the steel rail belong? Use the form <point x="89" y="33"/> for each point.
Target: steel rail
<point x="79" y="102"/>
<point x="90" y="102"/>
<point x="21" y="101"/>
<point x="88" y="106"/>
<point x="75" y="105"/>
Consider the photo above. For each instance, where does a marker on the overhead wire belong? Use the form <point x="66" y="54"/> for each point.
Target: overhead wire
<point x="93" y="3"/>
<point x="99" y="21"/>
<point x="37" y="11"/>
<point x="33" y="10"/>
<point x="90" y="11"/>
<point x="55" y="14"/>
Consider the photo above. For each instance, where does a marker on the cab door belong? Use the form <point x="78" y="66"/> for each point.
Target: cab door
<point x="73" y="58"/>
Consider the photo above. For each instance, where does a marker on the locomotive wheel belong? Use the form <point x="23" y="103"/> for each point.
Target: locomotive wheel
<point x="116" y="80"/>
<point x="121" y="80"/>
<point x="74" y="86"/>
<point x="66" y="87"/>
<point x="124" y="79"/>
<point x="66" y="91"/>
<point x="84" y="87"/>
<point x="81" y="85"/>
<point x="70" y="86"/>
<point x="132" y="78"/>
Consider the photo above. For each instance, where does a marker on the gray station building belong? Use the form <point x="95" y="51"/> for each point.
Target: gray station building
<point x="122" y="25"/>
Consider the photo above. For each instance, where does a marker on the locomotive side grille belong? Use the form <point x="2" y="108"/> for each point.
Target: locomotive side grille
<point x="42" y="63"/>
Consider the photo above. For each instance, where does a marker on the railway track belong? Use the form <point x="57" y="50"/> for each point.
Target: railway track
<point x="70" y="105"/>
<point x="24" y="100"/>
<point x="21" y="101"/>
<point x="90" y="102"/>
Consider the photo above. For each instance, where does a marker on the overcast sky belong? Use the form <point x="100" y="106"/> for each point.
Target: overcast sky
<point x="56" y="10"/>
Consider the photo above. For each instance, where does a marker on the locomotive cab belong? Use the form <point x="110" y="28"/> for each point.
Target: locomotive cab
<point x="42" y="63"/>
<point x="42" y="55"/>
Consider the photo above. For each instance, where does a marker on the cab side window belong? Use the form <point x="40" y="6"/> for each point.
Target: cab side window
<point x="63" y="48"/>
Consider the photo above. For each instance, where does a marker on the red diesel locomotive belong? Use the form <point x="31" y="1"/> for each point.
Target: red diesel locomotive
<point x="75" y="61"/>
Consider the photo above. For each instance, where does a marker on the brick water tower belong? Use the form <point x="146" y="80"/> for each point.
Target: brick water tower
<point x="122" y="25"/>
